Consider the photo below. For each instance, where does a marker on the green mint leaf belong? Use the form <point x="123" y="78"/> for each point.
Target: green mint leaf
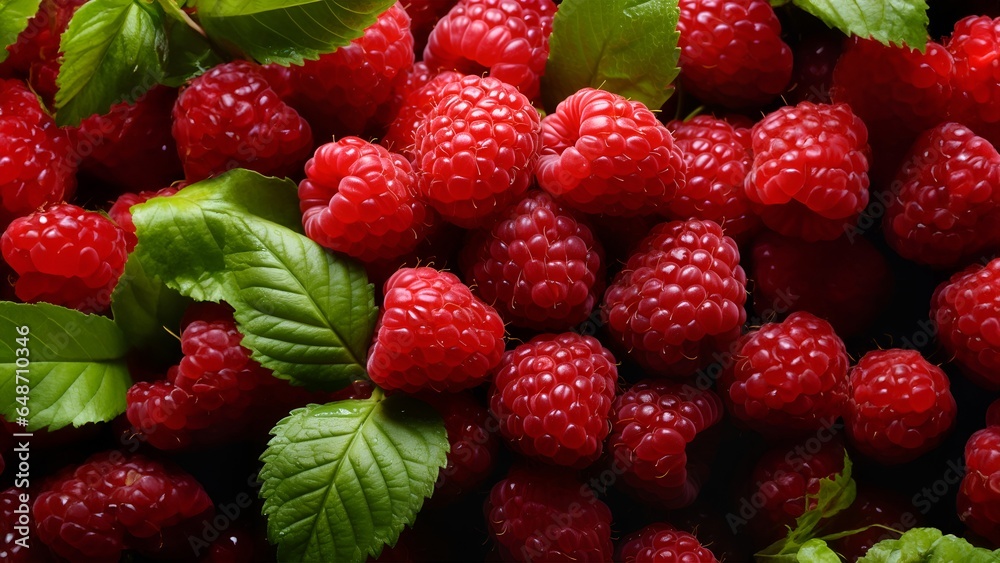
<point x="928" y="545"/>
<point x="14" y="16"/>
<point x="112" y="53"/>
<point x="145" y="308"/>
<point x="341" y="480"/>
<point x="624" y="46"/>
<point x="188" y="52"/>
<point x="287" y="31"/>
<point x="74" y="366"/>
<point x="895" y="22"/>
<point x="834" y="495"/>
<point x="816" y="551"/>
<point x="305" y="314"/>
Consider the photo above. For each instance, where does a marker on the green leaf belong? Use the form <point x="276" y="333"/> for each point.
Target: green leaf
<point x="75" y="365"/>
<point x="624" y="46"/>
<point x="189" y="53"/>
<point x="305" y="313"/>
<point x="14" y="16"/>
<point x="113" y="52"/>
<point x="144" y="308"/>
<point x="341" y="480"/>
<point x="928" y="545"/>
<point x="834" y="495"/>
<point x="894" y="22"/>
<point x="816" y="551"/>
<point x="287" y="31"/>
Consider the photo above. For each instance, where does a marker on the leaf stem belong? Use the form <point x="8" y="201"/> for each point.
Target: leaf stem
<point x="172" y="7"/>
<point x="378" y="394"/>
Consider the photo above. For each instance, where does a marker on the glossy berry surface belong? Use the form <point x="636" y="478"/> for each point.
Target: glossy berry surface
<point x="965" y="310"/>
<point x="661" y="542"/>
<point x="978" y="497"/>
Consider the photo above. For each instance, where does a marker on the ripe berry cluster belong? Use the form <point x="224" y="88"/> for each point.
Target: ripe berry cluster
<point x="635" y="326"/>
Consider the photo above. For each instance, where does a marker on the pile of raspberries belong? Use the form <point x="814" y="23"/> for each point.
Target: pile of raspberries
<point x="603" y="303"/>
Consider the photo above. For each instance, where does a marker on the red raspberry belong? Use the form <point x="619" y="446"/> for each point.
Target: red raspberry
<point x="37" y="170"/>
<point x="350" y="91"/>
<point x="10" y="550"/>
<point x="476" y="149"/>
<point x="131" y="146"/>
<point x="230" y="117"/>
<point x="845" y="281"/>
<point x="978" y="497"/>
<point x="731" y="52"/>
<point x="413" y="109"/>
<point x="966" y="311"/>
<point x="662" y="542"/>
<point x="653" y="425"/>
<point x="788" y="377"/>
<point x="544" y="514"/>
<point x="973" y="45"/>
<point x="121" y="211"/>
<point x="809" y="177"/>
<point x="423" y="15"/>
<point x="815" y="57"/>
<point x="679" y="298"/>
<point x="210" y="397"/>
<point x="474" y="444"/>
<point x="433" y="334"/>
<point x="66" y="256"/>
<point x="113" y="502"/>
<point x="602" y="153"/>
<point x="552" y="396"/>
<point x="540" y="266"/>
<point x="718" y="158"/>
<point x="782" y="479"/>
<point x="507" y="38"/>
<point x="946" y="198"/>
<point x="360" y="199"/>
<point x="900" y="407"/>
<point x="35" y="55"/>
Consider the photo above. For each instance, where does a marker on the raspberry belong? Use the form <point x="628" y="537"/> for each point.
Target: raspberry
<point x="946" y="202"/>
<point x="602" y="153"/>
<point x="37" y="170"/>
<point x="349" y="91"/>
<point x="121" y="211"/>
<point x="966" y="309"/>
<point x="112" y="502"/>
<point x="423" y="15"/>
<point x="809" y="177"/>
<point x="973" y="45"/>
<point x="131" y="146"/>
<point x="507" y="38"/>
<point x="717" y="156"/>
<point x="66" y="256"/>
<point x="845" y="281"/>
<point x="782" y="479"/>
<point x="542" y="514"/>
<point x="653" y="426"/>
<point x="10" y="550"/>
<point x="474" y="444"/>
<point x="978" y="498"/>
<point x="552" y="396"/>
<point x="814" y="58"/>
<point x="731" y="52"/>
<point x="360" y="199"/>
<point x="413" y="109"/>
<point x="209" y="398"/>
<point x="230" y="117"/>
<point x="897" y="91"/>
<point x="433" y="334"/>
<point x="35" y="55"/>
<point x="900" y="407"/>
<point x="788" y="377"/>
<point x="540" y="266"/>
<point x="476" y="149"/>
<point x="661" y="542"/>
<point x="679" y="298"/>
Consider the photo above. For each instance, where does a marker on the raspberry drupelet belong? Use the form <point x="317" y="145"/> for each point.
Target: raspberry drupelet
<point x="662" y="542"/>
